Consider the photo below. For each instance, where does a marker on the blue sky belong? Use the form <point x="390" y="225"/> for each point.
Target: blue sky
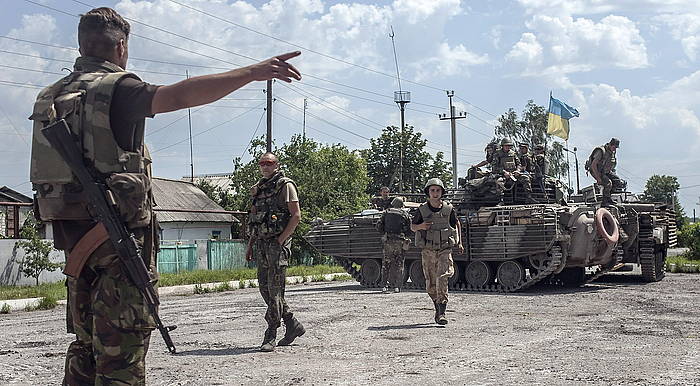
<point x="630" y="67"/>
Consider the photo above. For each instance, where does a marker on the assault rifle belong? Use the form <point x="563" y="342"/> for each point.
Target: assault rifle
<point x="104" y="205"/>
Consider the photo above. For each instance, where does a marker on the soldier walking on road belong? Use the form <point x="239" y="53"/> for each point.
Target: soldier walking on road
<point x="395" y="225"/>
<point x="437" y="232"/>
<point x="105" y="108"/>
<point x="274" y="215"/>
<point x="601" y="164"/>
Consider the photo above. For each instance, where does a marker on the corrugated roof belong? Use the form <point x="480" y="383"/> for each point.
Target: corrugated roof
<point x="9" y="195"/>
<point x="182" y="195"/>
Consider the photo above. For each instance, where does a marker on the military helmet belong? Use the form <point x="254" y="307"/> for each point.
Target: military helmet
<point x="539" y="146"/>
<point x="524" y="144"/>
<point x="397" y="202"/>
<point x="431" y="182"/>
<point x="614" y="141"/>
<point x="506" y="142"/>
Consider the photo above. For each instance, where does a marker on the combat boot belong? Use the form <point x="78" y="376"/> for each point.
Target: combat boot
<point x="293" y="330"/>
<point x="440" y="317"/>
<point x="268" y="343"/>
<point x="437" y="312"/>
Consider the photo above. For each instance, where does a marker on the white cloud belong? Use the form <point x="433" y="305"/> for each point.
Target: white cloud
<point x="449" y="61"/>
<point x="596" y="7"/>
<point x="564" y="45"/>
<point x="684" y="28"/>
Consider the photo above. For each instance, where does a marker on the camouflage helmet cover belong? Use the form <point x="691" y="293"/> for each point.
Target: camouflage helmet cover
<point x="397" y="202"/>
<point x="614" y="141"/>
<point x="506" y="142"/>
<point x="431" y="182"/>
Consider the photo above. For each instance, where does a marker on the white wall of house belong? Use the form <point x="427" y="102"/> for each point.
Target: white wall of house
<point x="10" y="258"/>
<point x="194" y="231"/>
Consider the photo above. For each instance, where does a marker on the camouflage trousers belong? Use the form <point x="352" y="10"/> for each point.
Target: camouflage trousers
<point x="438" y="268"/>
<point x="523" y="179"/>
<point x="392" y="265"/>
<point x="272" y="260"/>
<point x="610" y="180"/>
<point x="111" y="322"/>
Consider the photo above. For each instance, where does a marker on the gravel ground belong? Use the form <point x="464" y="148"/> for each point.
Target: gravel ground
<point x="617" y="331"/>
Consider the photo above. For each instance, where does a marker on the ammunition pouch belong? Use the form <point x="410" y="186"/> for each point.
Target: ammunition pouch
<point x="131" y="193"/>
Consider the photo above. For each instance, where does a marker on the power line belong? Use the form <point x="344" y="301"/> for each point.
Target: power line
<point x="320" y="131"/>
<point x="209" y="129"/>
<point x="254" y="133"/>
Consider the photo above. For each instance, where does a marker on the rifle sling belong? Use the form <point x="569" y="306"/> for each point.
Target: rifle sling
<point x="84" y="248"/>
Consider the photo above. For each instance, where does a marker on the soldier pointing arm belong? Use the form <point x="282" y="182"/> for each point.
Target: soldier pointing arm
<point x="105" y="108"/>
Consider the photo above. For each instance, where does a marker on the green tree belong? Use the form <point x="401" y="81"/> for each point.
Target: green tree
<point x="36" y="251"/>
<point x="689" y="237"/>
<point x="331" y="181"/>
<point x="383" y="161"/>
<point x="662" y="188"/>
<point x="531" y="128"/>
<point x="215" y="193"/>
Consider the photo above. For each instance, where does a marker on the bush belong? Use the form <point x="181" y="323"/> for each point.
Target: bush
<point x="5" y="309"/>
<point x="689" y="237"/>
<point x="45" y="303"/>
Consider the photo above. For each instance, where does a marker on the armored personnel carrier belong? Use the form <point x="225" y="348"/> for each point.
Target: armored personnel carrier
<point x="507" y="248"/>
<point x="648" y="230"/>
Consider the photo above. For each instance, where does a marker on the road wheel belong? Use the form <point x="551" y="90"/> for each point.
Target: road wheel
<point x="416" y="274"/>
<point x="510" y="274"/>
<point x="371" y="271"/>
<point x="478" y="274"/>
<point x="456" y="277"/>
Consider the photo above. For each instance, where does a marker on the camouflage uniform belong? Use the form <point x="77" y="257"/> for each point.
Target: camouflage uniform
<point x="381" y="203"/>
<point x="606" y="169"/>
<point x="268" y="218"/>
<point x="105" y="311"/>
<point x="395" y="224"/>
<point x="509" y="162"/>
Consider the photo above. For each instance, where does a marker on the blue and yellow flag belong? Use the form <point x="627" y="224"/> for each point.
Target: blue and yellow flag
<point x="558" y="118"/>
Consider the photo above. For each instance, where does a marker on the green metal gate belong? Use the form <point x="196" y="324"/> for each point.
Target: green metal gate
<point x="226" y="254"/>
<point x="176" y="258"/>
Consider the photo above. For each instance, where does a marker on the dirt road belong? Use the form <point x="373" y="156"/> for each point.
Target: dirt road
<point x="617" y="331"/>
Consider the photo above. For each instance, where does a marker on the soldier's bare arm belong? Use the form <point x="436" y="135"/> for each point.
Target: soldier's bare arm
<point x="205" y="89"/>
<point x="460" y="245"/>
<point x="295" y="218"/>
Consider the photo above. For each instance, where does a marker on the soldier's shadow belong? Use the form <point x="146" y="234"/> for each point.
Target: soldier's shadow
<point x="220" y="351"/>
<point x="404" y="327"/>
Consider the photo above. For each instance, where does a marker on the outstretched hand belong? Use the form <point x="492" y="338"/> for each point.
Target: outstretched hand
<point x="277" y="68"/>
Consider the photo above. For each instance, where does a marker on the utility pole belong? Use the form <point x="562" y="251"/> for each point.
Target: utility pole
<point x="401" y="98"/>
<point x="269" y="116"/>
<point x="304" y="124"/>
<point x="189" y="119"/>
<point x="453" y="123"/>
<point x="578" y="184"/>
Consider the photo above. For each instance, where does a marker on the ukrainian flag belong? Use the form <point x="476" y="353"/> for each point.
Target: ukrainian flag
<point x="558" y="118"/>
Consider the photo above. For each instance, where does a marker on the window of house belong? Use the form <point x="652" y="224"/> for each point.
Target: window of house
<point x="215" y="235"/>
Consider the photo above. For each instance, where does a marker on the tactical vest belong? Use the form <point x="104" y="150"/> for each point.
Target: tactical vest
<point x="83" y="99"/>
<point x="505" y="161"/>
<point x="526" y="161"/>
<point x="607" y="162"/>
<point x="394" y="220"/>
<point x="440" y="235"/>
<point x="268" y="218"/>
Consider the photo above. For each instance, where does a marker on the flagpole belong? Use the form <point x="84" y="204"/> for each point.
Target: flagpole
<point x="568" y="166"/>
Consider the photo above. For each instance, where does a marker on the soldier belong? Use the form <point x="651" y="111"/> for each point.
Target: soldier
<point x="105" y="107"/>
<point x="540" y="162"/>
<point x="601" y="164"/>
<point x="506" y="164"/>
<point x="473" y="171"/>
<point x="383" y="201"/>
<point x="394" y="224"/>
<point x="526" y="160"/>
<point x="274" y="215"/>
<point x="437" y="232"/>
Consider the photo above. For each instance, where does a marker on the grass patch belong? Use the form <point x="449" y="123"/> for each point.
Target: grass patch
<point x="315" y="278"/>
<point x="45" y="303"/>
<point x="5" y="309"/>
<point x="342" y="278"/>
<point x="56" y="291"/>
<point x="681" y="264"/>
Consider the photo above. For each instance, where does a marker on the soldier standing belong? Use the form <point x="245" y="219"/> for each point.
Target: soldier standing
<point x="437" y="232"/>
<point x="526" y="160"/>
<point x="106" y="107"/>
<point x="394" y="224"/>
<point x="601" y="164"/>
<point x="383" y="201"/>
<point x="540" y="161"/>
<point x="274" y="215"/>
<point x="506" y="164"/>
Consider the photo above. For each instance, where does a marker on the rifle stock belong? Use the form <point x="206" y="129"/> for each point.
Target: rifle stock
<point x="60" y="138"/>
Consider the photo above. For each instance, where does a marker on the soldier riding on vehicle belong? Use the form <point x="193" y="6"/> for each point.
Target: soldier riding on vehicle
<point x="601" y="164"/>
<point x="506" y="164"/>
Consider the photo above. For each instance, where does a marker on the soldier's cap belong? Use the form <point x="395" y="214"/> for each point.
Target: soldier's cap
<point x="397" y="202"/>
<point x="614" y="141"/>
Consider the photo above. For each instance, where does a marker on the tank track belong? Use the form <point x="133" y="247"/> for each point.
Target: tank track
<point x="603" y="269"/>
<point x="556" y="262"/>
<point x="647" y="257"/>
